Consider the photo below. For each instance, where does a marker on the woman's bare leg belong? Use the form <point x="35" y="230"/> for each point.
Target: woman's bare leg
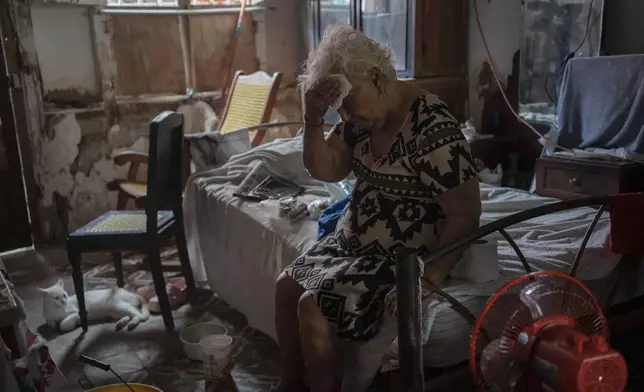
<point x="320" y="346"/>
<point x="287" y="296"/>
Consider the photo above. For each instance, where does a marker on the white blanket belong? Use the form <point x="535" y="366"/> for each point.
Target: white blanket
<point x="241" y="247"/>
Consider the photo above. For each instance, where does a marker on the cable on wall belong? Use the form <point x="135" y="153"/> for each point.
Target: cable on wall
<point x="498" y="81"/>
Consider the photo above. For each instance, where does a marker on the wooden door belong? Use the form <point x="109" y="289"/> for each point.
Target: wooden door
<point x="441" y="38"/>
<point x="15" y="230"/>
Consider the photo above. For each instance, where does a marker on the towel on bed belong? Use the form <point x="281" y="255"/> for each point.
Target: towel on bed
<point x="330" y="217"/>
<point x="602" y="103"/>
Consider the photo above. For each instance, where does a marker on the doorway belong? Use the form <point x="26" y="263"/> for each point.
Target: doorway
<point x="15" y="229"/>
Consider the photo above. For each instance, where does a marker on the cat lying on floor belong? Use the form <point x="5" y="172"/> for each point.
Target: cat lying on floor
<point x="61" y="309"/>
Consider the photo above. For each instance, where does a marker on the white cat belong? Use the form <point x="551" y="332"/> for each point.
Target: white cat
<point x="60" y="309"/>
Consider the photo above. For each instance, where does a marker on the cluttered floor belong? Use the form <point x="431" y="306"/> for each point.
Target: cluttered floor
<point x="146" y="354"/>
<point x="149" y="355"/>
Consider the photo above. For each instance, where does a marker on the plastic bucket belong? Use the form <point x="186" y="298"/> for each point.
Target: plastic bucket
<point x="192" y="335"/>
<point x="215" y="353"/>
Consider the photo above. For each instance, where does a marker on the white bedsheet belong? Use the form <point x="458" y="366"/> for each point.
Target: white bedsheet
<point x="241" y="247"/>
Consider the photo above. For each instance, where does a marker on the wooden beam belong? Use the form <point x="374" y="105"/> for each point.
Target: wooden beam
<point x="102" y="34"/>
<point x="186" y="46"/>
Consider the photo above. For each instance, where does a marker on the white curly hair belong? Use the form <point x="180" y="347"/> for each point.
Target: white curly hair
<point x="344" y="50"/>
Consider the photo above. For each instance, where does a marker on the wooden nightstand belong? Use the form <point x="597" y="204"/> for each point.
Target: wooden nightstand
<point x="569" y="178"/>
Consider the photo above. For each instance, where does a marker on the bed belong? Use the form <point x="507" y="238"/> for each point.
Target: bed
<point x="240" y="247"/>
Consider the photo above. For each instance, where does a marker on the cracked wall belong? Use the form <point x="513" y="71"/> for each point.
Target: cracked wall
<point x="75" y="164"/>
<point x="71" y="139"/>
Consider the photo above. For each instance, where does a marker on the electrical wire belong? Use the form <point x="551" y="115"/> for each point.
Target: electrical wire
<point x="570" y="55"/>
<point x="498" y="81"/>
<point x="504" y="95"/>
<point x="588" y="26"/>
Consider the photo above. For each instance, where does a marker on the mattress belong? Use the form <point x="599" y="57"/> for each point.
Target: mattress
<point x="240" y="247"/>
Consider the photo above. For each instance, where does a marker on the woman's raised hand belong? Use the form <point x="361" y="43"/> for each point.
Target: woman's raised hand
<point x="318" y="99"/>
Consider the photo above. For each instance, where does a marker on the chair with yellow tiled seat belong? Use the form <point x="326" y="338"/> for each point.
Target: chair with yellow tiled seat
<point x="144" y="230"/>
<point x="250" y="102"/>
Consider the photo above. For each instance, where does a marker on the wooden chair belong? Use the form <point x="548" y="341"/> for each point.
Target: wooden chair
<point x="250" y="102"/>
<point x="144" y="230"/>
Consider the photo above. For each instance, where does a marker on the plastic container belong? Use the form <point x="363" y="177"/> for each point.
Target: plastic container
<point x="192" y="335"/>
<point x="480" y="262"/>
<point x="123" y="388"/>
<point x="215" y="353"/>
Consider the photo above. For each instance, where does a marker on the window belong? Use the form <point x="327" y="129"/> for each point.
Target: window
<point x="174" y="3"/>
<point x="142" y="3"/>
<point x="332" y="11"/>
<point x="216" y="2"/>
<point x="387" y="21"/>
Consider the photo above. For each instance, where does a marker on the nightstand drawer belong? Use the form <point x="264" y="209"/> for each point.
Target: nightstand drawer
<point x="568" y="178"/>
<point x="559" y="179"/>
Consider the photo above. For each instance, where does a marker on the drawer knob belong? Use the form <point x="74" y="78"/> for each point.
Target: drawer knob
<point x="574" y="182"/>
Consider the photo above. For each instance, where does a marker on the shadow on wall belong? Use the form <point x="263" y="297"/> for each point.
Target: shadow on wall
<point x="74" y="161"/>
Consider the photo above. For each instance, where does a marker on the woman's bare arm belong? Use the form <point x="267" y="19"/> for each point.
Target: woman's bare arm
<point x="462" y="209"/>
<point x="326" y="159"/>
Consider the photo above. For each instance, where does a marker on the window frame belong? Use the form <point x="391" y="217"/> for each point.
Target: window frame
<point x="178" y="5"/>
<point x="355" y="12"/>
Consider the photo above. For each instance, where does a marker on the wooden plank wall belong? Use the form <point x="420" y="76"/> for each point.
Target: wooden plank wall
<point x="147" y="50"/>
<point x="211" y="41"/>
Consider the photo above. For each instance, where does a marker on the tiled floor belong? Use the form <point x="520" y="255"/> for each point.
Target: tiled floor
<point x="147" y="354"/>
<point x="150" y="355"/>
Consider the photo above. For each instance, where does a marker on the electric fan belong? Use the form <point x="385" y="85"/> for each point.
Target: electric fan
<point x="544" y="332"/>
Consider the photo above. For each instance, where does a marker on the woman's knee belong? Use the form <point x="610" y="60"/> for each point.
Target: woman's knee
<point x="287" y="289"/>
<point x="308" y="311"/>
<point x="306" y="303"/>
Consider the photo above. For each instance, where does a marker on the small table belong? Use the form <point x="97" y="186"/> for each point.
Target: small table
<point x="567" y="178"/>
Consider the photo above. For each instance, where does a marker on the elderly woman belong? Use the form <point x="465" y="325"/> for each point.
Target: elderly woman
<point x="416" y="188"/>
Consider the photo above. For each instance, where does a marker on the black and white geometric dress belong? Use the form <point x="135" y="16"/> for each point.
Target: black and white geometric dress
<point x="351" y="271"/>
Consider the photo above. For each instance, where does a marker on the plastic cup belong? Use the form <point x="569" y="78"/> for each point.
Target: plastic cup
<point x="215" y="352"/>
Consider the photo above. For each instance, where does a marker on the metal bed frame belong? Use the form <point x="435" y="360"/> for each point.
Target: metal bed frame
<point x="408" y="280"/>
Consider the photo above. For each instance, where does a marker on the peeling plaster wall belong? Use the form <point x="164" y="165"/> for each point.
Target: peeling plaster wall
<point x="75" y="163"/>
<point x="76" y="150"/>
<point x="72" y="76"/>
<point x="73" y="148"/>
<point x="501" y="21"/>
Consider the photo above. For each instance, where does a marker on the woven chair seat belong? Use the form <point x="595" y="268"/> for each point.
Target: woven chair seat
<point x="134" y="189"/>
<point x="122" y="222"/>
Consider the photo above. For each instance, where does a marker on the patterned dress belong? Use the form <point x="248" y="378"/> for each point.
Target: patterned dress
<point x="351" y="271"/>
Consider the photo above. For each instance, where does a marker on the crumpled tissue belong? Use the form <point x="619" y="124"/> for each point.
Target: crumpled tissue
<point x="345" y="88"/>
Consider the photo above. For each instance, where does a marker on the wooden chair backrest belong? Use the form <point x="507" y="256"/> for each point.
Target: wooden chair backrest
<point x="165" y="166"/>
<point x="250" y="102"/>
